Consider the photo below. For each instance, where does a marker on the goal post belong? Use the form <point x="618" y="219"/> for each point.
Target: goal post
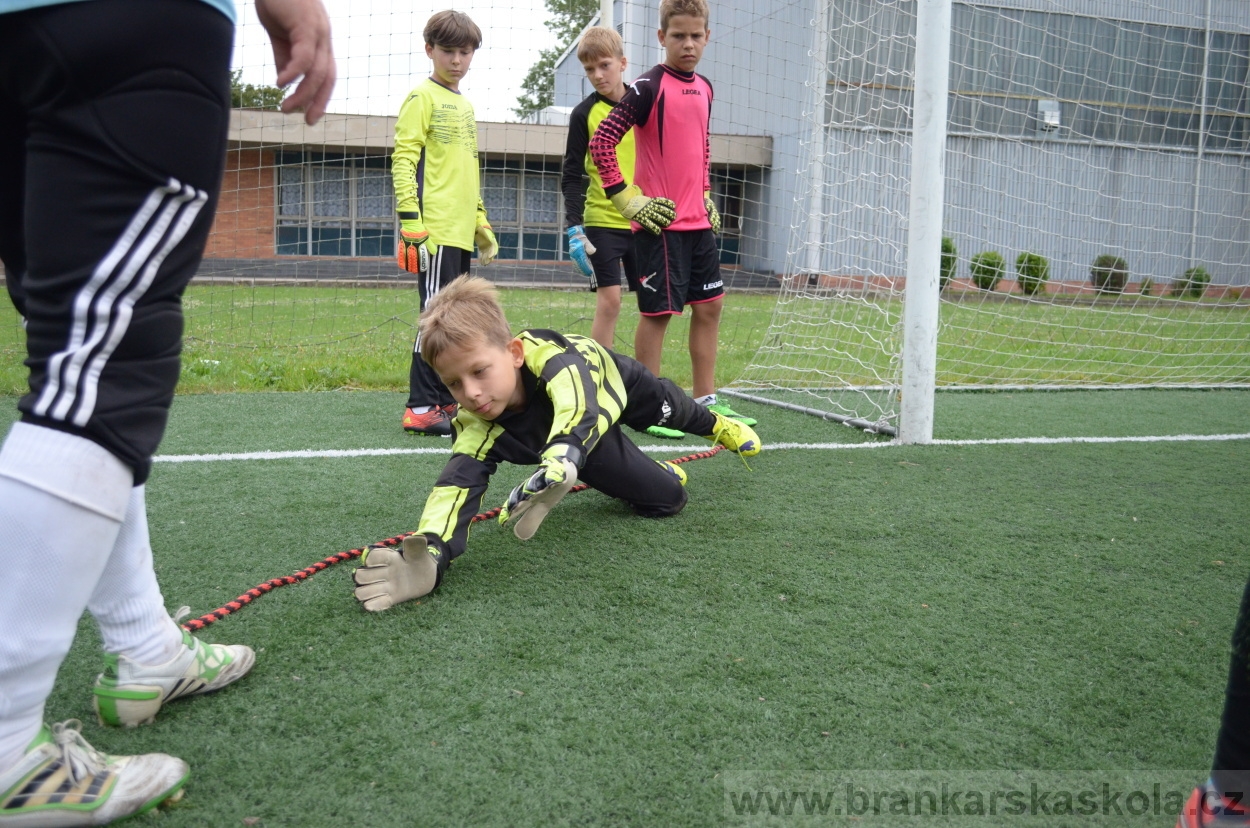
<point x="924" y="240"/>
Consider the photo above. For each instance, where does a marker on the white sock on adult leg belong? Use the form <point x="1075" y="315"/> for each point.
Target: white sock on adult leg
<point x="62" y="501"/>
<point x="127" y="603"/>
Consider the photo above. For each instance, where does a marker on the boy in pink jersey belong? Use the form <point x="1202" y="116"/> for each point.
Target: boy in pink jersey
<point x="670" y="202"/>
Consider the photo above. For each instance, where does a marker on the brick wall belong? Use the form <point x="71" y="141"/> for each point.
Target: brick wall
<point x="244" y="227"/>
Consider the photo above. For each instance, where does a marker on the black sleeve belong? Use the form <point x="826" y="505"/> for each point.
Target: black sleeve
<point x="573" y="174"/>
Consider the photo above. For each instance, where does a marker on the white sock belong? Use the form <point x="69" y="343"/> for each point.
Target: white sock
<point x="421" y="409"/>
<point x="62" y="500"/>
<point x="709" y="399"/>
<point x="127" y="602"/>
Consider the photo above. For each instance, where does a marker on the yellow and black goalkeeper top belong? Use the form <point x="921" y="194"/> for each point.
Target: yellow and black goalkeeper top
<point x="434" y="164"/>
<point x="573" y="394"/>
<point x="584" y="205"/>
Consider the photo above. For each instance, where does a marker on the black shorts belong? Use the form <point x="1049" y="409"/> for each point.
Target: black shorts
<point x="112" y="143"/>
<point x="614" y="250"/>
<point x="680" y="267"/>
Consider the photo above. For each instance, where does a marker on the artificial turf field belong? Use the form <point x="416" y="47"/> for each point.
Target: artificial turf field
<point x="843" y="604"/>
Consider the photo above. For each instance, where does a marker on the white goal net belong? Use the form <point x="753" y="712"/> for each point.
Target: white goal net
<point x="1095" y="206"/>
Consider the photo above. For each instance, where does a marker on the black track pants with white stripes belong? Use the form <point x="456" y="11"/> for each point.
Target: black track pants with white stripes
<point x="110" y="164"/>
<point x="424" y="386"/>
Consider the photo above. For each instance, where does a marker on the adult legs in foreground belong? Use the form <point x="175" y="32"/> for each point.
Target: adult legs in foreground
<point x="113" y="143"/>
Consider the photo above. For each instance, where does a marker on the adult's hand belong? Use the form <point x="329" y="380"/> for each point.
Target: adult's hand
<point x="300" y="33"/>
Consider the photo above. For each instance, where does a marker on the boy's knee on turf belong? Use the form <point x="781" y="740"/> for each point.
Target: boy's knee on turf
<point x="662" y="510"/>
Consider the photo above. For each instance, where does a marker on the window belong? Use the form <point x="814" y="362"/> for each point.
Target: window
<point x="525" y="209"/>
<point x="728" y="193"/>
<point x="334" y="206"/>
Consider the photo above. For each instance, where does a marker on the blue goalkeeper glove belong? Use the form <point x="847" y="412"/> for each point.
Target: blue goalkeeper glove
<point x="580" y="250"/>
<point x="530" y="502"/>
<point x="653" y="214"/>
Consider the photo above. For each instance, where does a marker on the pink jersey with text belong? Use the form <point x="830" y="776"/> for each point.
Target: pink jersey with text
<point x="669" y="112"/>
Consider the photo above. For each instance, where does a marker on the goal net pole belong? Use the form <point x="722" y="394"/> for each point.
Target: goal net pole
<point x="924" y="236"/>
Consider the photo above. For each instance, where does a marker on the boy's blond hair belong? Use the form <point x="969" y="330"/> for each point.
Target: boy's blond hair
<point x="690" y="8"/>
<point x="452" y="30"/>
<point x="600" y="42"/>
<point x="464" y="312"/>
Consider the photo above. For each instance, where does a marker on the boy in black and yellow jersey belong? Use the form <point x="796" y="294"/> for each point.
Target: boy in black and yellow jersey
<point x="437" y="195"/>
<point x="600" y="240"/>
<point x="557" y="401"/>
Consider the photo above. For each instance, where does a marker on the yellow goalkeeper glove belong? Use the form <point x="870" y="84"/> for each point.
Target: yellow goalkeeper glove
<point x="487" y="247"/>
<point x="530" y="502"/>
<point x="415" y="247"/>
<point x="653" y="214"/>
<point x="713" y="215"/>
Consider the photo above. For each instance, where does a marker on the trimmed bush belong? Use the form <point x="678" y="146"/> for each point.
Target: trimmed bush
<point x="1146" y="287"/>
<point x="1032" y="273"/>
<point x="1109" y="274"/>
<point x="988" y="269"/>
<point x="950" y="258"/>
<point x="1192" y="284"/>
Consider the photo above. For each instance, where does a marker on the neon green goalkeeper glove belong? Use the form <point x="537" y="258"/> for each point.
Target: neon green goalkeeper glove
<point x="713" y="215"/>
<point x="530" y="502"/>
<point x="415" y="247"/>
<point x="653" y="214"/>
<point x="487" y="247"/>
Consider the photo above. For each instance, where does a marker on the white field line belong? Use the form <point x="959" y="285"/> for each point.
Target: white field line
<point x="682" y="448"/>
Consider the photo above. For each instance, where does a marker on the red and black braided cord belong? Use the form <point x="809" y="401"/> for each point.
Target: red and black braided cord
<point x="196" y="624"/>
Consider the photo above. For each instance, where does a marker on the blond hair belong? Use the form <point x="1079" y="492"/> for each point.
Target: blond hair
<point x="690" y="8"/>
<point x="600" y="42"/>
<point x="464" y="312"/>
<point x="452" y="30"/>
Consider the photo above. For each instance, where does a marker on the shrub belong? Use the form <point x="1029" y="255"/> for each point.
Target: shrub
<point x="950" y="258"/>
<point x="1109" y="274"/>
<point x="1147" y="286"/>
<point x="1032" y="273"/>
<point x="1192" y="284"/>
<point x="987" y="269"/>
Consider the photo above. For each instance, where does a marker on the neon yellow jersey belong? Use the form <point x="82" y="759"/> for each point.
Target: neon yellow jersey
<point x="573" y="392"/>
<point x="588" y="205"/>
<point x="434" y="164"/>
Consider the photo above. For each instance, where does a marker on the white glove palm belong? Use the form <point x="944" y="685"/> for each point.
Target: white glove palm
<point x="389" y="576"/>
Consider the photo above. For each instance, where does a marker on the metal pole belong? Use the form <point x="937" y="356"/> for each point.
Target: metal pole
<point x="819" y="137"/>
<point x="1200" y="156"/>
<point x="605" y="14"/>
<point x="924" y="242"/>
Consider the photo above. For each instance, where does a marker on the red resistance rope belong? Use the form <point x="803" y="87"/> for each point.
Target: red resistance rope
<point x="197" y="624"/>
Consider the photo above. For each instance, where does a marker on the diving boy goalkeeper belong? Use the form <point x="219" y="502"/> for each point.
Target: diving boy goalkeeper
<point x="538" y="398"/>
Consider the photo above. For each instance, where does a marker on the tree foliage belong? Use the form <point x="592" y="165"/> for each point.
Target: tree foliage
<point x="568" y="18"/>
<point x="249" y="96"/>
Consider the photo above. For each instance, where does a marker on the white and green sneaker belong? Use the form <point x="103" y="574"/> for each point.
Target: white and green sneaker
<point x="63" y="781"/>
<point x="128" y="694"/>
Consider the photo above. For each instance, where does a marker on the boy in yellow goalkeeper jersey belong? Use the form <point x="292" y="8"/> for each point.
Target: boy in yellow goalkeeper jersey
<point x="537" y="398"/>
<point x="437" y="196"/>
